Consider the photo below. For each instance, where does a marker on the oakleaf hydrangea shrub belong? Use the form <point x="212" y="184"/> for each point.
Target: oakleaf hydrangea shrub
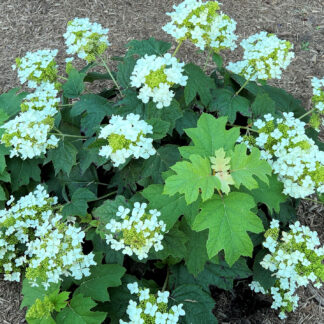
<point x="127" y="204"/>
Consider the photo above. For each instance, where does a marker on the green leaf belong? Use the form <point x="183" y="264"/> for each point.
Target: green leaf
<point x="197" y="304"/>
<point x="3" y="116"/>
<point x="171" y="208"/>
<point x="160" y="127"/>
<point x="263" y="105"/>
<point x="102" y="277"/>
<point x="228" y="104"/>
<point x="228" y="219"/>
<point x="198" y="83"/>
<point x="148" y="46"/>
<point x="3" y="196"/>
<point x="263" y="276"/>
<point x="216" y="274"/>
<point x="174" y="244"/>
<point x="125" y="70"/>
<point x="79" y="312"/>
<point x="285" y="102"/>
<point x="170" y="114"/>
<point x="287" y="213"/>
<point x="74" y="86"/>
<point x="10" y="101"/>
<point x="210" y="135"/>
<point x="191" y="178"/>
<point x="271" y="195"/>
<point x="196" y="255"/>
<point x="59" y="300"/>
<point x="78" y="205"/>
<point x="218" y="60"/>
<point x="22" y="171"/>
<point x="189" y="119"/>
<point x="245" y="167"/>
<point x="63" y="157"/>
<point x="93" y="76"/>
<point x="161" y="161"/>
<point x="32" y="293"/>
<point x="130" y="104"/>
<point x="96" y="108"/>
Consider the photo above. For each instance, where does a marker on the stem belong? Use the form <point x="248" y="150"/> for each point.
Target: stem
<point x="247" y="128"/>
<point x="243" y="86"/>
<point x="313" y="200"/>
<point x="112" y="77"/>
<point x="62" y="77"/>
<point x="306" y="114"/>
<point x="207" y="59"/>
<point x="177" y="49"/>
<point x="104" y="196"/>
<point x="166" y="280"/>
<point x="68" y="135"/>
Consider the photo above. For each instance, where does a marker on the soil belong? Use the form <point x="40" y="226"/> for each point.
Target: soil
<point x="27" y="25"/>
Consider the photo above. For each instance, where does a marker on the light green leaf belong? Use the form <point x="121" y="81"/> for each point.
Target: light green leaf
<point x="191" y="178"/>
<point x="210" y="135"/>
<point x="102" y="277"/>
<point x="31" y="293"/>
<point x="244" y="168"/>
<point x="228" y="219"/>
<point x="78" y="205"/>
<point x="198" y="83"/>
<point x="79" y="312"/>
<point x="74" y="86"/>
<point x="22" y="171"/>
<point x="148" y="46"/>
<point x="197" y="304"/>
<point x="63" y="157"/>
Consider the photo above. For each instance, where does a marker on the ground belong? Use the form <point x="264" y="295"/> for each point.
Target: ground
<point x="27" y="25"/>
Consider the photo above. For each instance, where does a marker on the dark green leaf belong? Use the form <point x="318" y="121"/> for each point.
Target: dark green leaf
<point x="102" y="277"/>
<point x="22" y="171"/>
<point x="263" y="105"/>
<point x="148" y="46"/>
<point x="74" y="86"/>
<point x="260" y="274"/>
<point x="198" y="83"/>
<point x="160" y="128"/>
<point x="218" y="60"/>
<point x="10" y="101"/>
<point x="197" y="304"/>
<point x="125" y="70"/>
<point x="188" y="120"/>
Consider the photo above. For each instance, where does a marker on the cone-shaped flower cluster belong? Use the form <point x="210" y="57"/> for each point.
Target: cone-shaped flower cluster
<point x="126" y="138"/>
<point x="265" y="56"/>
<point x="292" y="154"/>
<point x="86" y="39"/>
<point x="151" y="308"/>
<point x="37" y="67"/>
<point x="53" y="247"/>
<point x="155" y="75"/>
<point x="136" y="233"/>
<point x="295" y="261"/>
<point x="202" y="24"/>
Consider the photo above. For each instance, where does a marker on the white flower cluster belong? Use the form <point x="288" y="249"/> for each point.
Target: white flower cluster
<point x="292" y="154"/>
<point x="202" y="25"/>
<point x="318" y="94"/>
<point x="151" y="308"/>
<point x="126" y="137"/>
<point x="28" y="133"/>
<point x="37" y="67"/>
<point x="136" y="233"/>
<point x="295" y="261"/>
<point x="86" y="39"/>
<point x="53" y="247"/>
<point x="44" y="98"/>
<point x="265" y="56"/>
<point x="155" y="76"/>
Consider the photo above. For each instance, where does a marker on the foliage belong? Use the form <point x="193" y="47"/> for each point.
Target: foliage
<point x="196" y="168"/>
